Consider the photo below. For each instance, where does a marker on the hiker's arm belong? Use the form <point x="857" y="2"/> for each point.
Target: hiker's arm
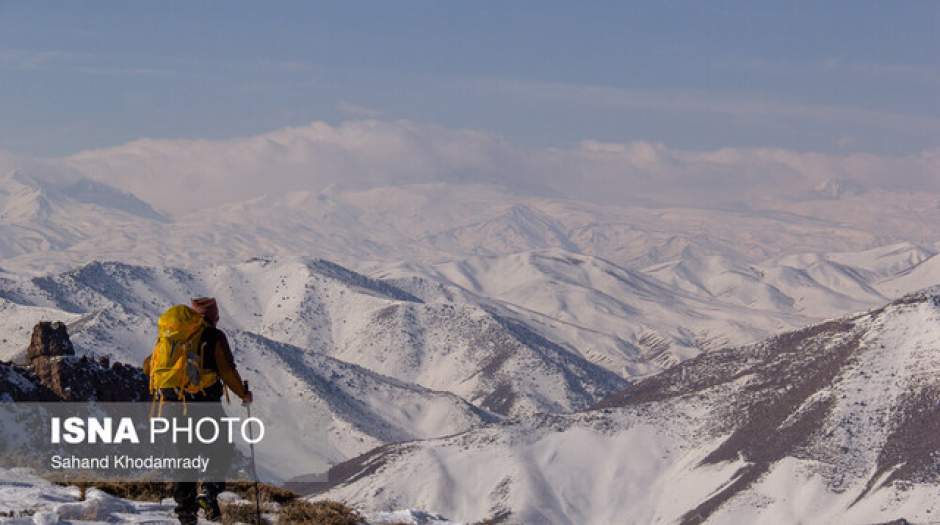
<point x="227" y="371"/>
<point x="147" y="366"/>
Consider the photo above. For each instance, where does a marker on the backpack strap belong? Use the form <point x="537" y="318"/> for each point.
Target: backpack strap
<point x="207" y="349"/>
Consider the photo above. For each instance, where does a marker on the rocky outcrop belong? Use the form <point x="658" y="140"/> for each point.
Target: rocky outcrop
<point x="19" y="384"/>
<point x="49" y="340"/>
<point x="54" y="373"/>
<point x="83" y="379"/>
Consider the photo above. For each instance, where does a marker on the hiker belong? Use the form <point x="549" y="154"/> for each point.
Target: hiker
<point x="195" y="330"/>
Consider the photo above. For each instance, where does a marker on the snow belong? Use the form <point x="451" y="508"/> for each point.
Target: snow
<point x="317" y="307"/>
<point x="407" y="517"/>
<point x="32" y="500"/>
<point x="414" y="313"/>
<point x="343" y="409"/>
<point x="16" y="326"/>
<point x="575" y="476"/>
<point x="83" y="220"/>
<point x="647" y="462"/>
<point x="29" y="500"/>
<point x="358" y="361"/>
<point x="793" y="493"/>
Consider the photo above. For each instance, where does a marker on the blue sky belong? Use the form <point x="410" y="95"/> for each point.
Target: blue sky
<point x="809" y="76"/>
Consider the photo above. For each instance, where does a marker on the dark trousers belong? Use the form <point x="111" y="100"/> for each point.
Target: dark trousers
<point x="185" y="492"/>
<point x="206" y="403"/>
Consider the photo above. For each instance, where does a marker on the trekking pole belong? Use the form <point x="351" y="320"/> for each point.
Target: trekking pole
<point x="254" y="472"/>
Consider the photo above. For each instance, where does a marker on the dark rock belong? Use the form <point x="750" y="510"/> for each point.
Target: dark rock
<point x="19" y="384"/>
<point x="50" y="340"/>
<point x="83" y="379"/>
<point x="56" y="374"/>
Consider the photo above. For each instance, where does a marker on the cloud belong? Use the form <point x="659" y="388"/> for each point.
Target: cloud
<point x="179" y="175"/>
<point x="48" y="171"/>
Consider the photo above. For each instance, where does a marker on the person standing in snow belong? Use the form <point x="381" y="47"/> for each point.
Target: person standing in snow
<point x="222" y="362"/>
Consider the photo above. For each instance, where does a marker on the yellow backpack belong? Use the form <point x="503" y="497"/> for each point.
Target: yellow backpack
<point x="177" y="359"/>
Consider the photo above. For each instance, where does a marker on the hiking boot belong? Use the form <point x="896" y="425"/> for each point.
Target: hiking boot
<point x="209" y="506"/>
<point x="188" y="518"/>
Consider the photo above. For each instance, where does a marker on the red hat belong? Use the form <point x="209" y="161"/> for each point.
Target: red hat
<point x="208" y="308"/>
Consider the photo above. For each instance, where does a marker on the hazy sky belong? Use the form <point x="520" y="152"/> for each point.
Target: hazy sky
<point x="831" y="76"/>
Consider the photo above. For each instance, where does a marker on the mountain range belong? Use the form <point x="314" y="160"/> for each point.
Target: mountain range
<point x="64" y="219"/>
<point x="528" y="358"/>
<point x="834" y="423"/>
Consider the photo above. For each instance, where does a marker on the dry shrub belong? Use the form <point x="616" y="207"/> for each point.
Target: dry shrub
<point x="292" y="509"/>
<point x="271" y="493"/>
<point x="240" y="513"/>
<point x="320" y="512"/>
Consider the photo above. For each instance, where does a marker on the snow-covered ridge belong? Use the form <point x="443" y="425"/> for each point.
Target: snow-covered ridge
<point x="637" y="322"/>
<point x="358" y="359"/>
<point x="575" y="318"/>
<point x="488" y="357"/>
<point x="836" y="417"/>
<point x="428" y="222"/>
<point x="42" y="215"/>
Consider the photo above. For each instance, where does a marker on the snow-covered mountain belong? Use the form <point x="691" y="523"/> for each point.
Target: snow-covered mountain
<point x="344" y="409"/>
<point x="816" y="285"/>
<point x="637" y="322"/>
<point x="436" y="222"/>
<point x="492" y="360"/>
<point x="835" y="423"/>
<point x="393" y="314"/>
<point x="625" y="320"/>
<point x="544" y="330"/>
<point x="42" y="215"/>
<point x="419" y="351"/>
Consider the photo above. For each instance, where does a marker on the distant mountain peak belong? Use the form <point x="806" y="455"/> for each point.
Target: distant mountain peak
<point x="93" y="192"/>
<point x="19" y="184"/>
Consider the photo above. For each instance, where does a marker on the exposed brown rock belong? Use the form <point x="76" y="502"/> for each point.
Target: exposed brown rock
<point x="56" y="374"/>
<point x="50" y="340"/>
<point x="82" y="379"/>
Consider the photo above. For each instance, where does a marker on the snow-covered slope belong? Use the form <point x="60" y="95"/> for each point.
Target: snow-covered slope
<point x="42" y="215"/>
<point x="810" y="285"/>
<point x="815" y="285"/>
<point x="835" y="423"/>
<point x="16" y="326"/>
<point x="494" y="361"/>
<point x="638" y="322"/>
<point x="625" y="320"/>
<point x="445" y="221"/>
<point x="545" y="330"/>
<point x="927" y="273"/>
<point x="342" y="408"/>
<point x="26" y="499"/>
<point x="339" y="409"/>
